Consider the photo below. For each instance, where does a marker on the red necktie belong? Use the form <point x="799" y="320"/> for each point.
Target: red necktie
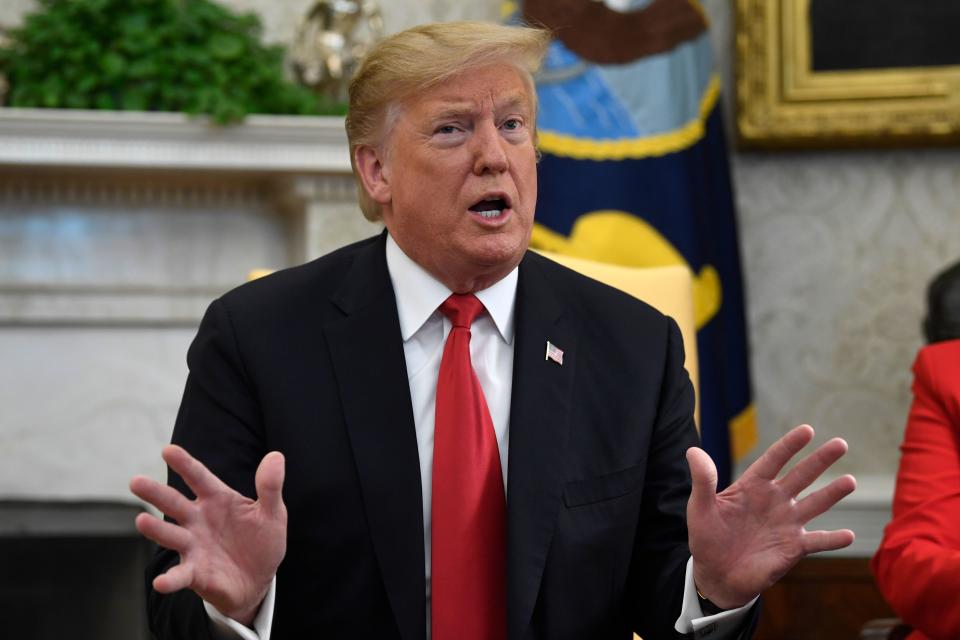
<point x="469" y="522"/>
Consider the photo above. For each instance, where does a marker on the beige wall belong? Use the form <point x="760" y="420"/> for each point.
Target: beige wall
<point x="837" y="249"/>
<point x="280" y="19"/>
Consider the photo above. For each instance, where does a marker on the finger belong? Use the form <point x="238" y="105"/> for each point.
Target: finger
<point x="269" y="482"/>
<point x="703" y="473"/>
<point x="176" y="578"/>
<point x="165" y="534"/>
<point x="768" y="465"/>
<point x="817" y="541"/>
<point x="200" y="480"/>
<point x="810" y="468"/>
<point x="167" y="499"/>
<point x="823" y="499"/>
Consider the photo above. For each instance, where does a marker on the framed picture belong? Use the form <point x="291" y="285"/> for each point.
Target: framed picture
<point x="835" y="73"/>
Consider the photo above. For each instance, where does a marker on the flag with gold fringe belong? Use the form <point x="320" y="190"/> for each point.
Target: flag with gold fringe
<point x="635" y="172"/>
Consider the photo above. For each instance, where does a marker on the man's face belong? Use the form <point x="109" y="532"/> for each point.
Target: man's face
<point x="461" y="177"/>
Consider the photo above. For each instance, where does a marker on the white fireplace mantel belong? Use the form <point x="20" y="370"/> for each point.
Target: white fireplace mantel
<point x="117" y="229"/>
<point x="295" y="166"/>
<point x="155" y="140"/>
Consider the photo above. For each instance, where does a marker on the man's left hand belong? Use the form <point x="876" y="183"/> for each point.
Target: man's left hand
<point x="748" y="536"/>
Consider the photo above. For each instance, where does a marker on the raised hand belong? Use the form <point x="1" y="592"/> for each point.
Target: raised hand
<point x="745" y="538"/>
<point x="230" y="546"/>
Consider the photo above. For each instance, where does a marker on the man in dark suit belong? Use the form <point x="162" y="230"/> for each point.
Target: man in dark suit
<point x="316" y="500"/>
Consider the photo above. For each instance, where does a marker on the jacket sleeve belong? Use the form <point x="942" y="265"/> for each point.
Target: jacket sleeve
<point x="918" y="563"/>
<point x="661" y="548"/>
<point x="219" y="423"/>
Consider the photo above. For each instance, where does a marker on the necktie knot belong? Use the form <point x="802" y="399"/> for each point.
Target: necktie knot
<point x="462" y="309"/>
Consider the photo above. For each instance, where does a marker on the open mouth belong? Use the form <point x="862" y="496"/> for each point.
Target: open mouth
<point x="490" y="207"/>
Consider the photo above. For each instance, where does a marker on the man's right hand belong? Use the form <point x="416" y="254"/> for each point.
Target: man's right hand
<point x="230" y="546"/>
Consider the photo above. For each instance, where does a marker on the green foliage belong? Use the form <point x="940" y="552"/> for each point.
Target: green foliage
<point x="155" y="55"/>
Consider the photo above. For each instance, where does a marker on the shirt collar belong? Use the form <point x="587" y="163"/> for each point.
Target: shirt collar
<point x="419" y="294"/>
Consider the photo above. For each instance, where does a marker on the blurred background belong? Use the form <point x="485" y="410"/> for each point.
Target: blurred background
<point x="118" y="226"/>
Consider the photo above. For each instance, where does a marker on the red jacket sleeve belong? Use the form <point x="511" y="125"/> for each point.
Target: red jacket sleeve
<point x="918" y="563"/>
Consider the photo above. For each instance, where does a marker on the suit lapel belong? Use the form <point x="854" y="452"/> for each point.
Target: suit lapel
<point x="539" y="422"/>
<point x="368" y="359"/>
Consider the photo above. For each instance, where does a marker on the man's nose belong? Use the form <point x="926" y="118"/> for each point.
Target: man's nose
<point x="489" y="152"/>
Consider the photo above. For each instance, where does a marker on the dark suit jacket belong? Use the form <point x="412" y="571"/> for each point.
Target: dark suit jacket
<point x="309" y="361"/>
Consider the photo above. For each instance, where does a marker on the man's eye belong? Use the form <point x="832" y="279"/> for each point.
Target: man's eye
<point x="447" y="129"/>
<point x="513" y="124"/>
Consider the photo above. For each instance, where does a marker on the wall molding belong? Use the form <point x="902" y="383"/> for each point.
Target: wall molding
<point x="866" y="511"/>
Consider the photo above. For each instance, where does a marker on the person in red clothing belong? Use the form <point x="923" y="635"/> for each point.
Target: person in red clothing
<point x="918" y="563"/>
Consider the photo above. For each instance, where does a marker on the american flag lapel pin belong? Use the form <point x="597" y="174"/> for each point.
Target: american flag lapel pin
<point x="554" y="353"/>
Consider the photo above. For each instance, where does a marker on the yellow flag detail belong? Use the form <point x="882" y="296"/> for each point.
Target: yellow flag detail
<point x="743" y="432"/>
<point x="618" y="237"/>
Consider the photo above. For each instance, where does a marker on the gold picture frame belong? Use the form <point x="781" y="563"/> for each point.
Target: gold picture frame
<point x="783" y="103"/>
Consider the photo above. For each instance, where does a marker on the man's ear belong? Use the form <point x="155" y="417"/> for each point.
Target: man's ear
<point x="370" y="167"/>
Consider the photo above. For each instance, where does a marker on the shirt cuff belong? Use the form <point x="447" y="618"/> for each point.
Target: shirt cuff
<point x="224" y="628"/>
<point x="692" y="620"/>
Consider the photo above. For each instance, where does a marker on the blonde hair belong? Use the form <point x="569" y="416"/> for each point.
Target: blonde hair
<point x="414" y="60"/>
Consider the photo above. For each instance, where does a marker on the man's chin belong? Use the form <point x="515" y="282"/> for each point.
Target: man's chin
<point x="498" y="249"/>
<point x="497" y="257"/>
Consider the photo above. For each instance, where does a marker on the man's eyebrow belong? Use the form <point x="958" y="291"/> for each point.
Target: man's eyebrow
<point x="517" y="101"/>
<point x="461" y="109"/>
<point x="454" y="111"/>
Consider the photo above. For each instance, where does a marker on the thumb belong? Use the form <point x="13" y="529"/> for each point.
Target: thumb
<point x="703" y="473"/>
<point x="269" y="482"/>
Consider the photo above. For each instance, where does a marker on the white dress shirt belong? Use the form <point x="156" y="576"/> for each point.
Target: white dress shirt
<point x="424" y="330"/>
